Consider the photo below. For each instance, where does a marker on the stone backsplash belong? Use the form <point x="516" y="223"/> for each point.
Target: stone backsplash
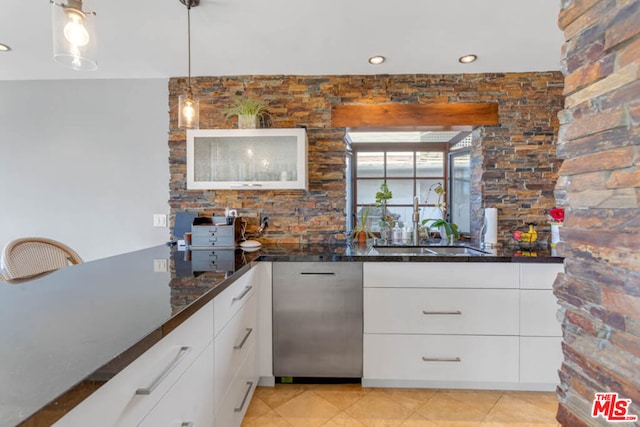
<point x="515" y="165"/>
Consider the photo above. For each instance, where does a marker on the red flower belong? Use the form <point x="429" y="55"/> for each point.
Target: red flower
<point x="557" y="214"/>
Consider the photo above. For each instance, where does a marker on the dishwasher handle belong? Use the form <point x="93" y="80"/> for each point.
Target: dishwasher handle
<point x="317" y="274"/>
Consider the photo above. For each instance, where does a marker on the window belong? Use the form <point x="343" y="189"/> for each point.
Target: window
<point x="412" y="164"/>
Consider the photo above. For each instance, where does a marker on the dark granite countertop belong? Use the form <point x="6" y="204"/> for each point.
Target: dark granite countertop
<point x="342" y="252"/>
<point x="66" y="333"/>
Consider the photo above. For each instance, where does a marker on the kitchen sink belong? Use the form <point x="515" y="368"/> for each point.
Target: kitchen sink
<point x="457" y="250"/>
<point x="429" y="250"/>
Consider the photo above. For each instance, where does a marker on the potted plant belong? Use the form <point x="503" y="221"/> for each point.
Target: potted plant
<point x="382" y="197"/>
<point x="249" y="111"/>
<point x="361" y="232"/>
<point x="448" y="230"/>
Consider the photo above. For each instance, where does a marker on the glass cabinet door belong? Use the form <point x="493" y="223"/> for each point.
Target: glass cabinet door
<point x="247" y="159"/>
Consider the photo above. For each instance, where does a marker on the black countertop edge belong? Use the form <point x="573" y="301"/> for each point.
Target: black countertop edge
<point x="409" y="258"/>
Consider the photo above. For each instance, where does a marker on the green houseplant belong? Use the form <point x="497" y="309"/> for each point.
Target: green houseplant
<point x="249" y="111"/>
<point x="448" y="230"/>
<point x="382" y="197"/>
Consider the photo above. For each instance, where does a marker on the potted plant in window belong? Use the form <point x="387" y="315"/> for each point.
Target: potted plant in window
<point x="361" y="232"/>
<point x="249" y="111"/>
<point x="382" y="197"/>
<point x="448" y="230"/>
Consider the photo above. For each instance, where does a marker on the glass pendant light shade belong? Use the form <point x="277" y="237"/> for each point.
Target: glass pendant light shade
<point x="188" y="105"/>
<point x="74" y="36"/>
<point x="188" y="112"/>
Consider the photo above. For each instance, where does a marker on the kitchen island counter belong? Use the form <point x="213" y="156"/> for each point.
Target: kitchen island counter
<point x="66" y="333"/>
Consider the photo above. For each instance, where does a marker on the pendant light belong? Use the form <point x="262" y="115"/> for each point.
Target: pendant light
<point x="74" y="35"/>
<point x="188" y="105"/>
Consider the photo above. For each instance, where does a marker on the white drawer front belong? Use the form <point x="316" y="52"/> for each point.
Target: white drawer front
<point x="231" y="299"/>
<point x="441" y="311"/>
<point x="538" y="313"/>
<point x="441" y="275"/>
<point x="190" y="400"/>
<point x="539" y="276"/>
<point x="233" y="345"/>
<point x="540" y="359"/>
<point x="235" y="403"/>
<point x="117" y="404"/>
<point x="441" y="358"/>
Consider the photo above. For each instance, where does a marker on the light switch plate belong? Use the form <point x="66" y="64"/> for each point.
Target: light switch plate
<point x="160" y="265"/>
<point x="159" y="220"/>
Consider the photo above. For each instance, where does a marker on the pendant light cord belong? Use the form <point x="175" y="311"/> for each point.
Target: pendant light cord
<point x="189" y="43"/>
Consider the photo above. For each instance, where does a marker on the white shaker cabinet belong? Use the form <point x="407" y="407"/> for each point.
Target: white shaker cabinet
<point x="247" y="159"/>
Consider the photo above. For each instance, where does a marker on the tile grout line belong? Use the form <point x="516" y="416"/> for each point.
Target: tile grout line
<point x="492" y="407"/>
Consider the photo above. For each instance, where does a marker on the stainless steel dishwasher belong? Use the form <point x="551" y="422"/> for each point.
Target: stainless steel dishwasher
<point x="317" y="319"/>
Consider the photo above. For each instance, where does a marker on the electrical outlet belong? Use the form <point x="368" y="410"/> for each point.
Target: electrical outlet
<point x="159" y="220"/>
<point x="264" y="219"/>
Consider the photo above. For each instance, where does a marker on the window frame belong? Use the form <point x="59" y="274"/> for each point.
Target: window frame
<point x="387" y="147"/>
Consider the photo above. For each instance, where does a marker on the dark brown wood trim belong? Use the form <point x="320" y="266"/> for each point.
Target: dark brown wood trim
<point x="470" y="114"/>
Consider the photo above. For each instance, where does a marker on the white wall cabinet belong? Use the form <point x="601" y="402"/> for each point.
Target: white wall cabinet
<point x="247" y="159"/>
<point x="467" y="325"/>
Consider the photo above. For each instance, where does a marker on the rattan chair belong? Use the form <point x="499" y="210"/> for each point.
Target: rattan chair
<point x="30" y="256"/>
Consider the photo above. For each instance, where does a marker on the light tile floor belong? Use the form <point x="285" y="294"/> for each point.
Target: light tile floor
<point x="350" y="405"/>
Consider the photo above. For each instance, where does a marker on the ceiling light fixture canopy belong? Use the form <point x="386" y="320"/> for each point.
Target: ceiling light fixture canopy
<point x="377" y="60"/>
<point x="74" y="36"/>
<point x="188" y="105"/>
<point x="4" y="47"/>
<point x="467" y="59"/>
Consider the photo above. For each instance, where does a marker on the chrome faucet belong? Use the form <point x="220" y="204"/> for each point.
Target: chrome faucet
<point x="416" y="222"/>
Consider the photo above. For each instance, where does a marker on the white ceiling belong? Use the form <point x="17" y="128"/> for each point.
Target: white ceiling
<point x="148" y="38"/>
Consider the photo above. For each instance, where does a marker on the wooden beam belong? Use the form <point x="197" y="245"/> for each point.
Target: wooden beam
<point x="390" y="115"/>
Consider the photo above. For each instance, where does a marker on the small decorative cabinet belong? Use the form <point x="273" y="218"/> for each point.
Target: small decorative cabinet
<point x="247" y="159"/>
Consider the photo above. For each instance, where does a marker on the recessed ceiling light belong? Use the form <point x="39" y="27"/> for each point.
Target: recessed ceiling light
<point x="377" y="60"/>
<point x="467" y="58"/>
<point x="4" y="47"/>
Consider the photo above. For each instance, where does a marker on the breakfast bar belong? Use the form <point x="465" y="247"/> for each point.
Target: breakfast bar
<point x="67" y="335"/>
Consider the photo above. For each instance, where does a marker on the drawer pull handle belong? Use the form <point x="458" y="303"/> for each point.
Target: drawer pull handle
<point x="148" y="390"/>
<point x="239" y="346"/>
<point x="187" y="424"/>
<point x="318" y="274"/>
<point x="441" y="359"/>
<point x="246" y="291"/>
<point x="244" y="399"/>
<point x="245" y="185"/>
<point x="440" y="312"/>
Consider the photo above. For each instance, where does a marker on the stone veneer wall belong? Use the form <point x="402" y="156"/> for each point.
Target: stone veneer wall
<point x="515" y="167"/>
<point x="599" y="186"/>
